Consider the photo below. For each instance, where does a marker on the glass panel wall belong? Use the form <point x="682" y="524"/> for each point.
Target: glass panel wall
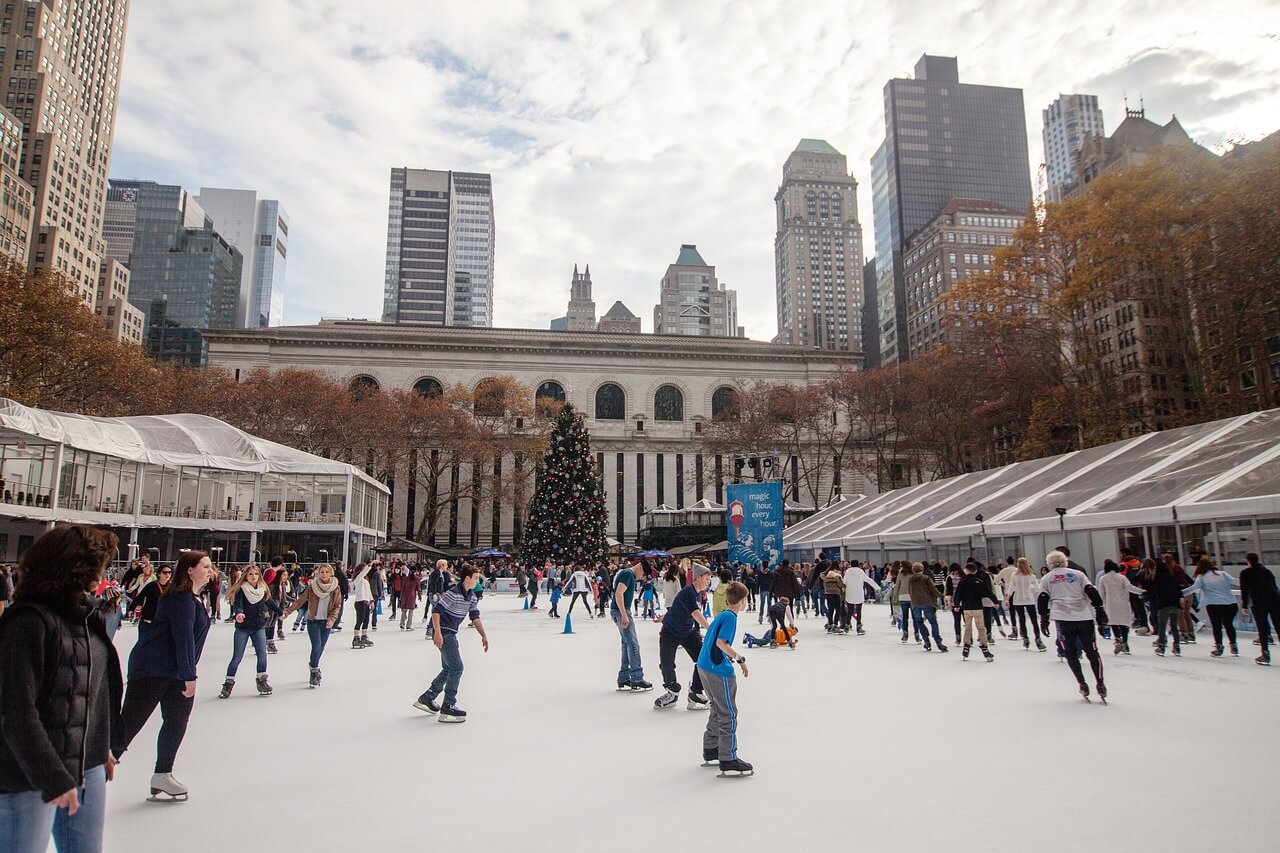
<point x="1197" y="539"/>
<point x="1234" y="540"/>
<point x="26" y="474"/>
<point x="128" y="484"/>
<point x="1269" y="533"/>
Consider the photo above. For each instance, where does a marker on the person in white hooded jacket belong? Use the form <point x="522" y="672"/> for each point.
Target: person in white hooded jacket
<point x="1020" y="594"/>
<point x="856" y="581"/>
<point x="362" y="595"/>
<point x="1115" y="590"/>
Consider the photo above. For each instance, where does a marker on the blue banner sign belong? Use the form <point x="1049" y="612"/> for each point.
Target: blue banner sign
<point x="754" y="523"/>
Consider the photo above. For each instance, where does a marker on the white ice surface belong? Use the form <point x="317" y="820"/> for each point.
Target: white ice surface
<point x="858" y="742"/>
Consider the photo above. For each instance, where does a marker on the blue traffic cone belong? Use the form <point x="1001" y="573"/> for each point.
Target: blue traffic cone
<point x="526" y="602"/>
<point x="568" y="624"/>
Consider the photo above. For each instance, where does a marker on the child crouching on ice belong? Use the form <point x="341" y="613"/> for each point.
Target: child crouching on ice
<point x="715" y="669"/>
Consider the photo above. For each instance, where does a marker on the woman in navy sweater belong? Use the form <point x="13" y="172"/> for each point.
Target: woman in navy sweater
<point x="162" y="669"/>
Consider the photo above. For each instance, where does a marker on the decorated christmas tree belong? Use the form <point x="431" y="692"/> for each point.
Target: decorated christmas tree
<point x="567" y="517"/>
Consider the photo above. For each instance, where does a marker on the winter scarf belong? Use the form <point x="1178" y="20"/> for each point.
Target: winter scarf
<point x="323" y="589"/>
<point x="253" y="594"/>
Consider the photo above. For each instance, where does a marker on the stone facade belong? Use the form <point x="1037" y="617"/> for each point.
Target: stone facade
<point x="653" y="453"/>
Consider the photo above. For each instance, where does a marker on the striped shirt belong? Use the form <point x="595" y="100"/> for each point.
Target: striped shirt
<point x="453" y="606"/>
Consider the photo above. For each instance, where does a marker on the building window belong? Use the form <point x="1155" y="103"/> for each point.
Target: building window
<point x="489" y="402"/>
<point x="724" y="404"/>
<point x="611" y="403"/>
<point x="668" y="404"/>
<point x="429" y="388"/>
<point x="363" y="386"/>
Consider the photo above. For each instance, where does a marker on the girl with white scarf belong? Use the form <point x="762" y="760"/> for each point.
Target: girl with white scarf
<point x="251" y="607"/>
<point x="323" y="602"/>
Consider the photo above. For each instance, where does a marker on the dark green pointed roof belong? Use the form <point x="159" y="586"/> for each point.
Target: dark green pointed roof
<point x="689" y="257"/>
<point x="816" y="146"/>
<point x="619" y="312"/>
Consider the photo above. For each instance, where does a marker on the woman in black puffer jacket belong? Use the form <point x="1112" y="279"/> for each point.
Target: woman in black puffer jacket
<point x="60" y="695"/>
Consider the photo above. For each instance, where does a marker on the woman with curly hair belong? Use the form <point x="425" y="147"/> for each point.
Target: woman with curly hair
<point x="60" y="694"/>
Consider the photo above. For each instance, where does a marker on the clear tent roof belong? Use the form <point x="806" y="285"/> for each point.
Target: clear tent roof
<point x="1196" y="472"/>
<point x="173" y="440"/>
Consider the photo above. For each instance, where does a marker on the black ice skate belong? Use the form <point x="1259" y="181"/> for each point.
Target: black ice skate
<point x="665" y="701"/>
<point x="271" y="647"/>
<point x="735" y="767"/>
<point x="640" y="686"/>
<point x="452" y="714"/>
<point x="264" y="689"/>
<point x="986" y="653"/>
<point x="697" y="702"/>
<point x="227" y="687"/>
<point x="942" y="648"/>
<point x="710" y="758"/>
<point x="1084" y="692"/>
<point x="166" y="789"/>
<point x="1102" y="692"/>
<point x="1263" y="659"/>
<point x="964" y="653"/>
<point x="315" y="677"/>
<point x="427" y="702"/>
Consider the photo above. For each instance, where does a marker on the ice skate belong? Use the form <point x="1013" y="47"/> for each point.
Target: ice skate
<point x="271" y="647"/>
<point x="166" y="789"/>
<point x="1102" y="692"/>
<point x="1118" y="648"/>
<point x="1263" y="659"/>
<point x="365" y="641"/>
<point x="928" y="647"/>
<point x="355" y="642"/>
<point x="427" y="702"/>
<point x="640" y="686"/>
<point x="1084" y="692"/>
<point x="315" y="677"/>
<point x="735" y="767"/>
<point x="1026" y="644"/>
<point x="986" y="653"/>
<point x="964" y="653"/>
<point x="452" y="714"/>
<point x="665" y="701"/>
<point x="1177" y="650"/>
<point x="1215" y="652"/>
<point x="264" y="689"/>
<point x="697" y="702"/>
<point x="1160" y="649"/>
<point x="710" y="759"/>
<point x="1125" y="650"/>
<point x="1040" y="646"/>
<point x="904" y="636"/>
<point x="942" y="648"/>
<point x="1235" y="650"/>
<point x="227" y="687"/>
<point x="860" y="631"/>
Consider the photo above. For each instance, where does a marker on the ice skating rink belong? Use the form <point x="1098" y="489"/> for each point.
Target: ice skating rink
<point x="859" y="743"/>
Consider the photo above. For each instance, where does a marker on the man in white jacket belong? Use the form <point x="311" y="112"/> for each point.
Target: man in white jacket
<point x="856" y="581"/>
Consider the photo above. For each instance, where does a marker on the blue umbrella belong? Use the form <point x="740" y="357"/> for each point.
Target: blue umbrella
<point x="653" y="552"/>
<point x="491" y="552"/>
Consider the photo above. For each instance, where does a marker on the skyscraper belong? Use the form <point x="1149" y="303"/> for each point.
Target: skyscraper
<point x="440" y="241"/>
<point x="693" y="302"/>
<point x="183" y="275"/>
<point x="15" y="209"/>
<point x="943" y="140"/>
<point x="818" y="251"/>
<point x="581" y="315"/>
<point x="1066" y="123"/>
<point x="60" y="72"/>
<point x="259" y="228"/>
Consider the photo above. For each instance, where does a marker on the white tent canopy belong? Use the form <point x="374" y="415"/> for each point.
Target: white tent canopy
<point x="173" y="440"/>
<point x="1210" y="471"/>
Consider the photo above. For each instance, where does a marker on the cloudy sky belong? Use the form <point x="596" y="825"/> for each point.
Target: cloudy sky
<point x="615" y="131"/>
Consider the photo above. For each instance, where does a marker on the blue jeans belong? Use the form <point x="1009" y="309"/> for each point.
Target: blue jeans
<point x="238" y="643"/>
<point x="924" y="614"/>
<point x="27" y="822"/>
<point x="766" y="599"/>
<point x="631" y="669"/>
<point x="450" y="671"/>
<point x="905" y="607"/>
<point x="319" y="634"/>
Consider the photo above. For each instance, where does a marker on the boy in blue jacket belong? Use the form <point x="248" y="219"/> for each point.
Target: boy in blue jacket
<point x="715" y="669"/>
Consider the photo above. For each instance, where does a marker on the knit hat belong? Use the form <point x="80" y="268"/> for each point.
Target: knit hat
<point x="699" y="570"/>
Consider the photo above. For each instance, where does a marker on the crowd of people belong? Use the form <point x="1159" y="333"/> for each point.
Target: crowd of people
<point x="69" y="710"/>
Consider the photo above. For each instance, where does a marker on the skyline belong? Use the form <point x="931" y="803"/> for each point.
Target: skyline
<point x="613" y="134"/>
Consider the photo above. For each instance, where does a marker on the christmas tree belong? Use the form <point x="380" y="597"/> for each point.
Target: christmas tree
<point x="567" y="517"/>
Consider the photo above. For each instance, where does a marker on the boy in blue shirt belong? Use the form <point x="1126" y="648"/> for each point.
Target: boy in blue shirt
<point x="715" y="668"/>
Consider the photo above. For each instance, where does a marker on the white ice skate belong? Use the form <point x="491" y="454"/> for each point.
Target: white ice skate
<point x="166" y="789"/>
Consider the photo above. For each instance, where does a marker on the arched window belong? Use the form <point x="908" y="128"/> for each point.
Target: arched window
<point x="611" y="403"/>
<point x="429" y="388"/>
<point x="724" y="404"/>
<point x="550" y="390"/>
<point x="489" y="400"/>
<point x="362" y="386"/>
<point x="668" y="404"/>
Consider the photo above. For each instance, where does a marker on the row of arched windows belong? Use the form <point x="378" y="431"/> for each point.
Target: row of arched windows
<point x="610" y="402"/>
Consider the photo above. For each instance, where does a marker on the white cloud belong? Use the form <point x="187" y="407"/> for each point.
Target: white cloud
<point x="616" y="131"/>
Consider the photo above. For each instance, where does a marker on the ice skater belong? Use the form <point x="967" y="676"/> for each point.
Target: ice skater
<point x="580" y="588"/>
<point x="968" y="598"/>
<point x="1259" y="596"/>
<point x="1073" y="603"/>
<point x="856" y="581"/>
<point x="680" y="629"/>
<point x="320" y="603"/>
<point x="251" y="608"/>
<point x="715" y="668"/>
<point x="457" y="603"/>
<point x="1117" y="592"/>
<point x="362" y="594"/>
<point x="1021" y="591"/>
<point x="631" y="670"/>
<point x="162" y="671"/>
<point x="1215" y="586"/>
